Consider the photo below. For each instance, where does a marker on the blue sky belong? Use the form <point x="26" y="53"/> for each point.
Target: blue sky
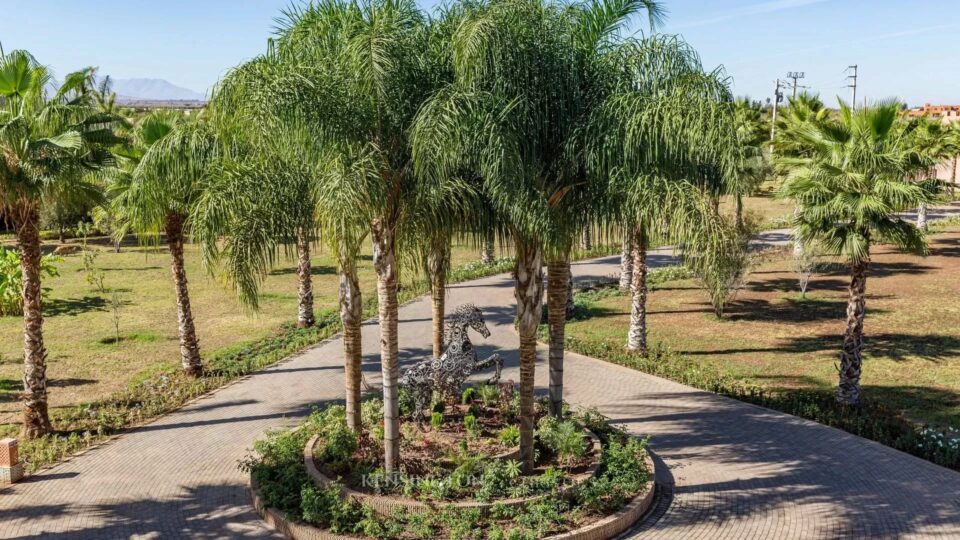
<point x="909" y="50"/>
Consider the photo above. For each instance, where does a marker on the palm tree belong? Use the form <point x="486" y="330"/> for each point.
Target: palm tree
<point x="933" y="140"/>
<point x="373" y="61"/>
<point x="165" y="186"/>
<point x="661" y="144"/>
<point x="853" y="175"/>
<point x="750" y="167"/>
<point x="527" y="76"/>
<point x="48" y="147"/>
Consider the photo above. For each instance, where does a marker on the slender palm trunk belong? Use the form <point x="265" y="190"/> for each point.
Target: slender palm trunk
<point x="586" y="237"/>
<point x="385" y="264"/>
<point x="438" y="263"/>
<point x="351" y="315"/>
<point x="637" y="335"/>
<point x="570" y="304"/>
<point x="189" y="346"/>
<point x="305" y="317"/>
<point x="738" y="212"/>
<point x="487" y="253"/>
<point x="626" y="260"/>
<point x="36" y="421"/>
<point x="851" y="359"/>
<point x="953" y="175"/>
<point x="528" y="291"/>
<point x="558" y="274"/>
<point x="922" y="216"/>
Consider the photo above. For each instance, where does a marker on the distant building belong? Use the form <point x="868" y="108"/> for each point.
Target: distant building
<point x="950" y="113"/>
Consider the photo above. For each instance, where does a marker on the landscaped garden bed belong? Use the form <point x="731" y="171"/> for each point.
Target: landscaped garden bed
<point x="458" y="478"/>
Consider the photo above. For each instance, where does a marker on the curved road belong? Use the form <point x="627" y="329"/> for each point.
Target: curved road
<point x="725" y="469"/>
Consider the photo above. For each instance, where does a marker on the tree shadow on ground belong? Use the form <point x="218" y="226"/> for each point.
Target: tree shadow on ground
<point x="203" y="511"/>
<point x="894" y="346"/>
<point x="315" y="270"/>
<point x="845" y="486"/>
<point x="73" y="306"/>
<point x="788" y="310"/>
<point x="10" y="389"/>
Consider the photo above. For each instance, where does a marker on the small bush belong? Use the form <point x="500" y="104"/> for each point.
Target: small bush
<point x="510" y="435"/>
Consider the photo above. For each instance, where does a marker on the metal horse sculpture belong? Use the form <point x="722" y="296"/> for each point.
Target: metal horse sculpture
<point x="446" y="374"/>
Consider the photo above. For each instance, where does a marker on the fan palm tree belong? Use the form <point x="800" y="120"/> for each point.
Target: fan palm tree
<point x="165" y="186"/>
<point x="934" y="141"/>
<point x="853" y="175"/>
<point x="47" y="146"/>
<point x="750" y="167"/>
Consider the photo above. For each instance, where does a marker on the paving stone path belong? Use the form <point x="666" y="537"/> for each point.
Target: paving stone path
<point x="725" y="469"/>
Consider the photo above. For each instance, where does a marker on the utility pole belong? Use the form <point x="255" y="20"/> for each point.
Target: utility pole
<point x="795" y="75"/>
<point x="853" y="84"/>
<point x="777" y="97"/>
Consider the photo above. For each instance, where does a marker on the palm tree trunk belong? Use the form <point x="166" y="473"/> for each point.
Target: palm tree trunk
<point x="305" y="317"/>
<point x="586" y="237"/>
<point x="851" y="359"/>
<point x="385" y="264"/>
<point x="487" y="253"/>
<point x="438" y="263"/>
<point x="528" y="291"/>
<point x="351" y="315"/>
<point x="953" y="175"/>
<point x="558" y="273"/>
<point x="189" y="346"/>
<point x="922" y="216"/>
<point x="637" y="335"/>
<point x="571" y="306"/>
<point x="36" y="421"/>
<point x="738" y="212"/>
<point x="626" y="260"/>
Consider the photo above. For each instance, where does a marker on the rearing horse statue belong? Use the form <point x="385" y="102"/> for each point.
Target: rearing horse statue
<point x="446" y="374"/>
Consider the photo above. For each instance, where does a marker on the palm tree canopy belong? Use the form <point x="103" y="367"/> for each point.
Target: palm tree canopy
<point x="853" y="175"/>
<point x="48" y="145"/>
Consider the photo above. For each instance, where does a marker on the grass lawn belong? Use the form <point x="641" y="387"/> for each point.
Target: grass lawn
<point x="84" y="363"/>
<point x="767" y="211"/>
<point x="773" y="338"/>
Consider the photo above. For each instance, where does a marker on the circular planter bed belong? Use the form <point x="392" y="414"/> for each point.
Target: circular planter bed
<point x="387" y="505"/>
<point x="457" y="477"/>
<point x="604" y="528"/>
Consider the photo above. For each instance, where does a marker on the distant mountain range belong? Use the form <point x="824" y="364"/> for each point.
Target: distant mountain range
<point x="152" y="90"/>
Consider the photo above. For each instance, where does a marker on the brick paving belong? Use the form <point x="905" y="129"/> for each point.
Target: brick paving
<point x="726" y="469"/>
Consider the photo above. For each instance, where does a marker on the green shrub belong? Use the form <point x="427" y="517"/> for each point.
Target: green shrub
<point x="473" y="427"/>
<point x="564" y="438"/>
<point x="510" y="435"/>
<point x="11" y="280"/>
<point x="436" y="420"/>
<point x="324" y="507"/>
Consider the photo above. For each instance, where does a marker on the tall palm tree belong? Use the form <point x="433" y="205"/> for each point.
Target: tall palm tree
<point x="853" y="175"/>
<point x="372" y="59"/>
<point x="48" y="145"/>
<point x="661" y="145"/>
<point x="528" y="73"/>
<point x="165" y="186"/>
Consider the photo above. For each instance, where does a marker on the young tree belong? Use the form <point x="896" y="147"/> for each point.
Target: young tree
<point x="166" y="184"/>
<point x="853" y="174"/>
<point x="48" y="147"/>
